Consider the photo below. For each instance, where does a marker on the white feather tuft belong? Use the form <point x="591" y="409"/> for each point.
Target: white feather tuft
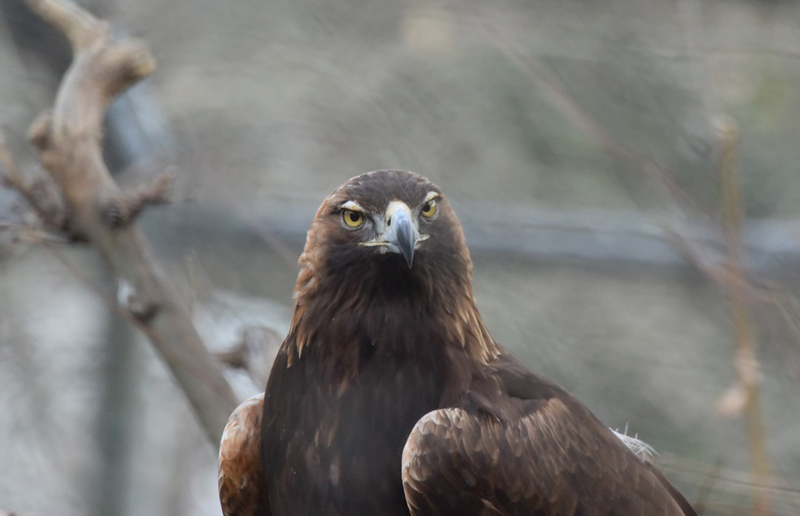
<point x="641" y="449"/>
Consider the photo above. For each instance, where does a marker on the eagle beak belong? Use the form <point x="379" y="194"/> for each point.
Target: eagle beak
<point x="402" y="235"/>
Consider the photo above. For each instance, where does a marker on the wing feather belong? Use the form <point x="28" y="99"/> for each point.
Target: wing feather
<point x="552" y="461"/>
<point x="240" y="474"/>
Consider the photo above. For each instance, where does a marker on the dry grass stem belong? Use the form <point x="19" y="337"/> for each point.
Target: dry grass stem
<point x="747" y="389"/>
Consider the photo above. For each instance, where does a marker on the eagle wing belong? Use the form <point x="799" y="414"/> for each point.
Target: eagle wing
<point x="240" y="461"/>
<point x="549" y="456"/>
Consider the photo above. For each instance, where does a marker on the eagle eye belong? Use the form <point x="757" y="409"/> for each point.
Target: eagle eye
<point x="429" y="208"/>
<point x="353" y="219"/>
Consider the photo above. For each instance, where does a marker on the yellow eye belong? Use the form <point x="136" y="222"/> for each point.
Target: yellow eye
<point x="353" y="219"/>
<point x="429" y="208"/>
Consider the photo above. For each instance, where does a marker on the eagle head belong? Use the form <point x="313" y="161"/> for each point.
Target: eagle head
<point x="387" y="257"/>
<point x="386" y="227"/>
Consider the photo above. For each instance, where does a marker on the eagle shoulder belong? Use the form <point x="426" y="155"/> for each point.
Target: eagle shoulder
<point x="240" y="461"/>
<point x="550" y="458"/>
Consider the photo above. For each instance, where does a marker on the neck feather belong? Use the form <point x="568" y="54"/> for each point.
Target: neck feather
<point x="407" y="316"/>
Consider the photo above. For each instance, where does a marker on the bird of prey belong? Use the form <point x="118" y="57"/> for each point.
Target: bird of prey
<point x="390" y="397"/>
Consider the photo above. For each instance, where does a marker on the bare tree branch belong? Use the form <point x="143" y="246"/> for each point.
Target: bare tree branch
<point x="69" y="144"/>
<point x="171" y="353"/>
<point x="40" y="193"/>
<point x="254" y="353"/>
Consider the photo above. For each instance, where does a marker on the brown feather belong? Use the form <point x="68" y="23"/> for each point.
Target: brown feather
<point x="555" y="460"/>
<point x="240" y="475"/>
<point x="542" y="454"/>
<point x="374" y="346"/>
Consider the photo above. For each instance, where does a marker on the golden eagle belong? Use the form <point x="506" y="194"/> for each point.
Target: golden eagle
<point x="390" y="397"/>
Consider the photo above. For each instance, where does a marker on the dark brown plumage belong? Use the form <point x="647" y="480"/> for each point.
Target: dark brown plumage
<point x="389" y="396"/>
<point x="240" y="475"/>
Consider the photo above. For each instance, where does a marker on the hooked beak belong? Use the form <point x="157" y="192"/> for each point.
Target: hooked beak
<point x="402" y="235"/>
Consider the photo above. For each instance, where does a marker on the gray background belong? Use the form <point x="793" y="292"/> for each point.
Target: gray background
<point x="263" y="108"/>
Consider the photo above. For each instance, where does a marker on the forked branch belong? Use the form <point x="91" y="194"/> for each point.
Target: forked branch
<point x="87" y="203"/>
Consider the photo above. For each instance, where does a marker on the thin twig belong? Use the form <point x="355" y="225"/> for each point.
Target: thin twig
<point x="38" y="193"/>
<point x="179" y="357"/>
<point x="677" y="199"/>
<point x="746" y="362"/>
<point x="14" y="178"/>
<point x="555" y="93"/>
<point x="707" y="487"/>
<point x="741" y="479"/>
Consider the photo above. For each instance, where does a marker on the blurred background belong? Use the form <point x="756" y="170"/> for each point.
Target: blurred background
<point x="580" y="142"/>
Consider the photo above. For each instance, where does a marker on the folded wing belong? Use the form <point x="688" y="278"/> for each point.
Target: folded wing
<point x="549" y="456"/>
<point x="240" y="461"/>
